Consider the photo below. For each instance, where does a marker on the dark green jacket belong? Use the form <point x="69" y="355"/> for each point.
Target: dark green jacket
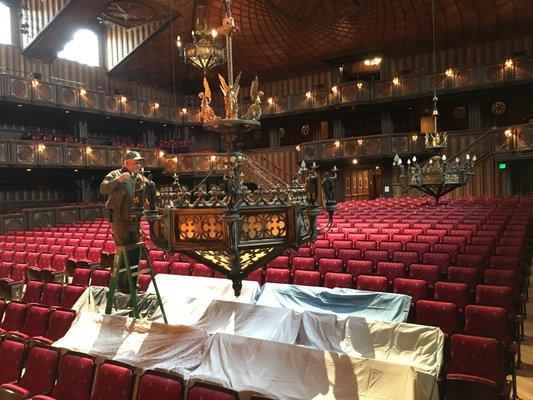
<point x="119" y="200"/>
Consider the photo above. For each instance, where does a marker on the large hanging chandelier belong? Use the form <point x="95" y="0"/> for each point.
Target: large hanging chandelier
<point x="203" y="52"/>
<point x="438" y="176"/>
<point x="231" y="228"/>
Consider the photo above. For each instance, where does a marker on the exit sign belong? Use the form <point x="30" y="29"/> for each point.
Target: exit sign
<point x="502" y="165"/>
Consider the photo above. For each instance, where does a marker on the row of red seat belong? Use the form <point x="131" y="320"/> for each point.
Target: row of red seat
<point x="37" y="371"/>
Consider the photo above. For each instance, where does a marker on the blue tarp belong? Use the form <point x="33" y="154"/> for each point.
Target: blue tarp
<point x="343" y="302"/>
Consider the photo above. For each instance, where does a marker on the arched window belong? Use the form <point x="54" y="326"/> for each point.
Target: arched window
<point x="83" y="48"/>
<point x="5" y="24"/>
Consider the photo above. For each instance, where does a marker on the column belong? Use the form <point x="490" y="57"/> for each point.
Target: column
<point x="83" y="133"/>
<point x="273" y="136"/>
<point x="338" y="128"/>
<point x="386" y="122"/>
<point x="474" y="114"/>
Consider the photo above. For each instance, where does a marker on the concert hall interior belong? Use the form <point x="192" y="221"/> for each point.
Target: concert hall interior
<point x="266" y="199"/>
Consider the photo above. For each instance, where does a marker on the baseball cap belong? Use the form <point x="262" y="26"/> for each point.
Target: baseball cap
<point x="133" y="155"/>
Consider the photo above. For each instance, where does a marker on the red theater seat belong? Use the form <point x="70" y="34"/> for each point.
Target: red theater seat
<point x="160" y="386"/>
<point x="277" y="275"/>
<point x="12" y="354"/>
<point x="59" y="324"/>
<point x="416" y="288"/>
<point x="390" y="270"/>
<point x="329" y="265"/>
<point x="428" y="272"/>
<point x="39" y="374"/>
<point x="114" y="381"/>
<point x="100" y="277"/>
<point x="307" y="278"/>
<point x="467" y="275"/>
<point x="204" y="392"/>
<point x="372" y="283"/>
<point x="456" y="293"/>
<point x="334" y="279"/>
<point x="437" y="313"/>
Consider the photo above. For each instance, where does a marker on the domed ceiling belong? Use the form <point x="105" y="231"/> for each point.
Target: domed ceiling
<point x="283" y="38"/>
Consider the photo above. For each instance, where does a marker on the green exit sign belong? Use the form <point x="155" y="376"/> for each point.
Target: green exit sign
<point x="502" y="165"/>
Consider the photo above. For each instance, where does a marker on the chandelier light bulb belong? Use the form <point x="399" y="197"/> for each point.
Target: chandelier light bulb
<point x="355" y="161"/>
<point x="214" y="33"/>
<point x="408" y="162"/>
<point x="431" y="161"/>
<point x="467" y="157"/>
<point x="444" y="157"/>
<point x="396" y="158"/>
<point x="303" y="165"/>
<point x="178" y="42"/>
<point x="457" y="159"/>
<point x="414" y="159"/>
<point x="474" y="158"/>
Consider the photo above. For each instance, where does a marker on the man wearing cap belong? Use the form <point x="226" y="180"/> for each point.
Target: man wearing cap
<point x="124" y="187"/>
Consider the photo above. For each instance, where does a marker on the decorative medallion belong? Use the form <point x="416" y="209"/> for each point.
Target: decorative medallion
<point x="90" y="100"/>
<point x="13" y="225"/>
<point x="116" y="157"/>
<point x="68" y="217"/>
<point x="42" y="219"/>
<point x="306" y="129"/>
<point x="399" y="145"/>
<point x="74" y="155"/>
<point x="459" y="112"/>
<point x="68" y="96"/>
<point x="19" y="88"/>
<point x="347" y="94"/>
<point x="51" y="155"/>
<point x="44" y="92"/>
<point x="498" y="108"/>
<point x="25" y="154"/>
<point x="350" y="148"/>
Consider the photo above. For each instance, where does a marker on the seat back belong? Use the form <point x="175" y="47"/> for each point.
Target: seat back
<point x="51" y="294"/>
<point x="453" y="292"/>
<point x="159" y="385"/>
<point x="36" y="321"/>
<point x="70" y="295"/>
<point x="488" y="322"/>
<point x="75" y="379"/>
<point x="41" y="369"/>
<point x="60" y="322"/>
<point x="113" y="381"/>
<point x="416" y="288"/>
<point x="372" y="283"/>
<point x="204" y="392"/>
<point x="12" y="354"/>
<point x="437" y="313"/>
<point x="100" y="277"/>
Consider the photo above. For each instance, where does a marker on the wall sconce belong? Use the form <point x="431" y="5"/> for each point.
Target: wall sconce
<point x="372" y="61"/>
<point x="337" y="144"/>
<point x="35" y="83"/>
<point x="449" y="73"/>
<point x="41" y="147"/>
<point x="360" y="142"/>
<point x="396" y="81"/>
<point x="213" y="158"/>
<point x="509" y="63"/>
<point x="335" y="89"/>
<point x="161" y="153"/>
<point x="83" y="92"/>
<point x="414" y="137"/>
<point x="508" y="133"/>
<point x="184" y="110"/>
<point x="123" y="99"/>
<point x="359" y="85"/>
<point x="298" y="148"/>
<point x="89" y="150"/>
<point x="175" y="159"/>
<point x="155" y="105"/>
<point x="270" y="101"/>
<point x="308" y="94"/>
<point x="377" y="167"/>
<point x="355" y="161"/>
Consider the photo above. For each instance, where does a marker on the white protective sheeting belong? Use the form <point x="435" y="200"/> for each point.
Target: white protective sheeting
<point x="186" y="298"/>
<point x="291" y="372"/>
<point x="260" y="322"/>
<point x="380" y="306"/>
<point x="418" y="346"/>
<point x="141" y="343"/>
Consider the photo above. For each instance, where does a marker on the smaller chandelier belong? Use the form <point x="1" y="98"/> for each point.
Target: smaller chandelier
<point x="437" y="177"/>
<point x="203" y="52"/>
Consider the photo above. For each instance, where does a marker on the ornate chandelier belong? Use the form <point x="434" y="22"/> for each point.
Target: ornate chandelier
<point x="203" y="52"/>
<point x="231" y="228"/>
<point x="437" y="176"/>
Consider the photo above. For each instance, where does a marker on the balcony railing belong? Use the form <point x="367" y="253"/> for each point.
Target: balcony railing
<point x="31" y="91"/>
<point x="26" y="153"/>
<point x="362" y="92"/>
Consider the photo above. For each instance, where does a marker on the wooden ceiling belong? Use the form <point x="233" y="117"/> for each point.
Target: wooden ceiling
<point x="283" y="38"/>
